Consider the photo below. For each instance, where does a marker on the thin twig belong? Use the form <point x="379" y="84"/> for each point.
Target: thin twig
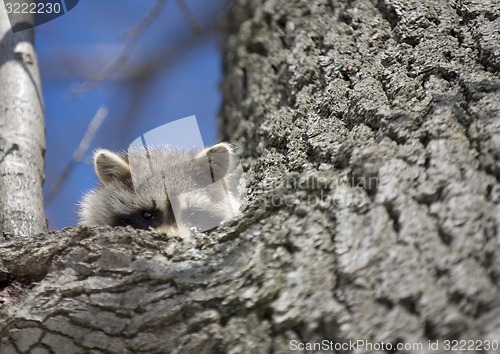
<point x="79" y="153"/>
<point x="196" y="26"/>
<point x="131" y="36"/>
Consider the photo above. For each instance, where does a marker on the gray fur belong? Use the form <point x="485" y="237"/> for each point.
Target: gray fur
<point x="160" y="178"/>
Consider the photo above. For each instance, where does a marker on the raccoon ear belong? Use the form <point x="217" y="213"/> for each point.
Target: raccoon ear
<point x="221" y="158"/>
<point x="110" y="166"/>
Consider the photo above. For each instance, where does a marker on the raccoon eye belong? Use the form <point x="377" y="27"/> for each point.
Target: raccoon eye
<point x="147" y="215"/>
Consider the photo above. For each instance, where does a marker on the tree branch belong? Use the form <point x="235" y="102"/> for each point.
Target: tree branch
<point x="131" y="36"/>
<point x="79" y="153"/>
<point x="190" y="18"/>
<point x="22" y="135"/>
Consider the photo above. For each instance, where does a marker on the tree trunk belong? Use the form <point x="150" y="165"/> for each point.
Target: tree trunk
<point x="394" y="105"/>
<point x="370" y="135"/>
<point x="22" y="135"/>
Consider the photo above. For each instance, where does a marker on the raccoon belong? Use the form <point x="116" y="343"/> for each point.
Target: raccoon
<point x="171" y="190"/>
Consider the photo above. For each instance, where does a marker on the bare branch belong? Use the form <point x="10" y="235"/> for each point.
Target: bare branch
<point x="131" y="37"/>
<point x="190" y="18"/>
<point x="80" y="151"/>
<point x="146" y="21"/>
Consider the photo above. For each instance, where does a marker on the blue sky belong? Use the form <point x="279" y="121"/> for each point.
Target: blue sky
<point x="74" y="46"/>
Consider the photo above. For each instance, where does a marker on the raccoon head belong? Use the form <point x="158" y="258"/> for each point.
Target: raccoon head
<point x="162" y="188"/>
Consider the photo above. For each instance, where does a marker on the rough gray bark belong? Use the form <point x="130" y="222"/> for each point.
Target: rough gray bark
<point x="370" y="132"/>
<point x="396" y="104"/>
<point x="22" y="135"/>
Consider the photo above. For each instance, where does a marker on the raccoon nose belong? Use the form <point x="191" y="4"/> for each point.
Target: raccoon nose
<point x="168" y="229"/>
<point x="175" y="231"/>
